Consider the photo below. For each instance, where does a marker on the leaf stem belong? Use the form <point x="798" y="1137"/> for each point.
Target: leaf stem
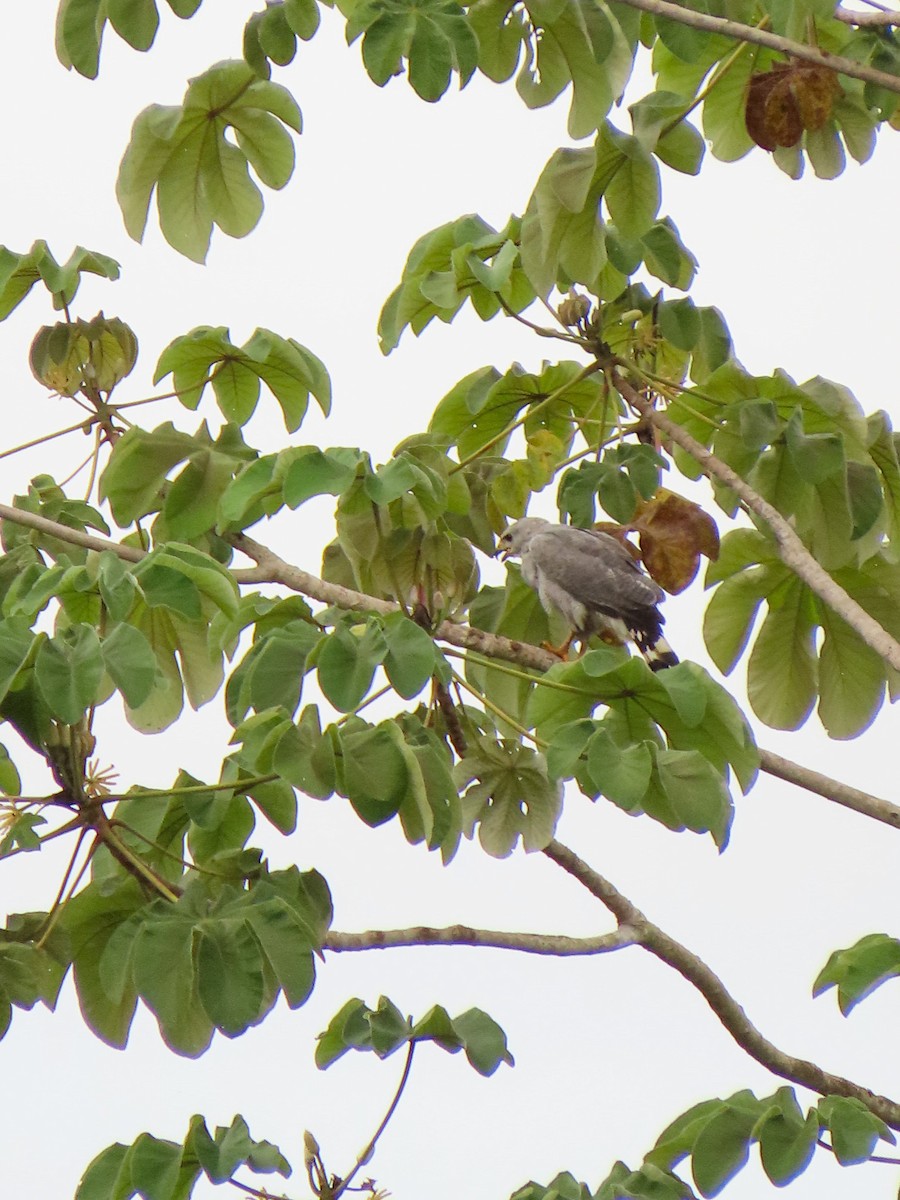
<point x="46" y="437"/>
<point x="498" y="711"/>
<point x="723" y="68"/>
<point x="366" y="1155"/>
<point x="504" y="433"/>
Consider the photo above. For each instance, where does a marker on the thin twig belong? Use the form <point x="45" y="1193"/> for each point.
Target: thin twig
<point x="879" y="1158"/>
<point x="712" y="989"/>
<point x="47" y="437"/>
<point x="251" y="1191"/>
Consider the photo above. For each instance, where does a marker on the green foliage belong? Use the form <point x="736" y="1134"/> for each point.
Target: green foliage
<point x="466" y="259"/>
<point x="384" y="1030"/>
<point x="165" y="1170"/>
<point x="717" y="1136"/>
<point x="207" y="355"/>
<point x="432" y="37"/>
<point x="214" y="959"/>
<point x="857" y="971"/>
<point x="271" y="36"/>
<point x="201" y="178"/>
<point x="20" y="272"/>
<point x="664" y="747"/>
<point x="179" y="911"/>
<point x="508" y="794"/>
<point x="80" y="25"/>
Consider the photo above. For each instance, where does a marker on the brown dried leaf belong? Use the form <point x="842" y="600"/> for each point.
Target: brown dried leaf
<point x="772" y="115"/>
<point x="815" y="90"/>
<point x="781" y="103"/>
<point x="673" y="533"/>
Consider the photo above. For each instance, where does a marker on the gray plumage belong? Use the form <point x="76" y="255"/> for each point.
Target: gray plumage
<point x="592" y="581"/>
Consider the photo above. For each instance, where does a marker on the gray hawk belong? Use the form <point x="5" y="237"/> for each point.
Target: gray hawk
<point x="592" y="581"/>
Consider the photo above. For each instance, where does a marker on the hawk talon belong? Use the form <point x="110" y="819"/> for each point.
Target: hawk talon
<point x="561" y="651"/>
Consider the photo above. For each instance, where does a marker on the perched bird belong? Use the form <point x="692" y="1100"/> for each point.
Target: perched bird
<point x="592" y="581"/>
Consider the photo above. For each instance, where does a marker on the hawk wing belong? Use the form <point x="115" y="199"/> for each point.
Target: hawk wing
<point x="597" y="571"/>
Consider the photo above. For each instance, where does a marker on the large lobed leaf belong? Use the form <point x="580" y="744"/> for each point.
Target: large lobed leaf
<point x="202" y="179"/>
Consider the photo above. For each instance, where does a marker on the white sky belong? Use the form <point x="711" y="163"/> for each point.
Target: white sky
<point x="608" y="1051"/>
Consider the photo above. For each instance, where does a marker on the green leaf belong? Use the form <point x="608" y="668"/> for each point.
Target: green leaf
<point x="90" y="919"/>
<point x="851" y="679"/>
<point x="512" y="798"/>
<point x="133" y="478"/>
<point x="620" y="775"/>
<point x="347" y="662"/>
<point x="722" y="1147"/>
<point x="782" y="671"/>
<point x="19" y="272"/>
<point x="68" y="669"/>
<point x="165" y="587"/>
<point x="207" y="355"/>
<point x="229" y="974"/>
<point x="348" y="1029"/>
<point x="854" y="1129"/>
<point x="155" y="1167"/>
<point x="411" y="659"/>
<point x="165" y="976"/>
<point x="633" y="194"/>
<point x="483" y="1040"/>
<point x="16" y="640"/>
<point x="825" y="151"/>
<point x="723" y="109"/>
<point x="787" y="1140"/>
<point x="134" y="20"/>
<point x="731" y="614"/>
<point x="285" y="942"/>
<point x="102" y="1178"/>
<point x="860" y="969"/>
<point x="202" y="179"/>
<point x="305" y="758"/>
<point x="375" y="771"/>
<point x="129" y="659"/>
<point x="314" y="472"/>
<point x="582" y="45"/>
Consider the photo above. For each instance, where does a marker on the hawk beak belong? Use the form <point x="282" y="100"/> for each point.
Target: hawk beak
<point x="502" y="552"/>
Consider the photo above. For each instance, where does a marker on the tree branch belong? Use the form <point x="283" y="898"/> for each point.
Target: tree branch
<point x="882" y="18"/>
<point x="831" y="789"/>
<point x="273" y="569"/>
<point x="793" y="553"/>
<point x="276" y="570"/>
<point x="708" y="984"/>
<point x="557" y="945"/>
<point x="90" y="541"/>
<point x="772" y="41"/>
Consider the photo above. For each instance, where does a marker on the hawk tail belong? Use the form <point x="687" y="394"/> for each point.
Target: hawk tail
<point x="657" y="652"/>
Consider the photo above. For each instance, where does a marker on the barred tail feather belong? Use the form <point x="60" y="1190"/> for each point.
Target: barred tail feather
<point x="658" y="654"/>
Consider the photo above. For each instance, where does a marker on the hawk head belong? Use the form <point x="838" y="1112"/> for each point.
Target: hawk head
<point x="517" y="537"/>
